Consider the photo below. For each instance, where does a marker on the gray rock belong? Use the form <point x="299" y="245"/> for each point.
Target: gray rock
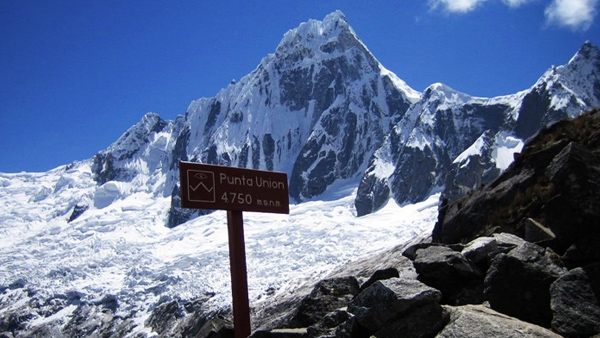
<point x="479" y="249"/>
<point x="476" y="321"/>
<point x="574" y="302"/>
<point x="96" y="321"/>
<point x="424" y="321"/>
<point x="451" y="273"/>
<point x="216" y="327"/>
<point x="327" y="296"/>
<point x="329" y="324"/>
<point x="518" y="283"/>
<point x="411" y="251"/>
<point x="389" y="299"/>
<point x="380" y="275"/>
<point x="164" y="317"/>
<point x="508" y="240"/>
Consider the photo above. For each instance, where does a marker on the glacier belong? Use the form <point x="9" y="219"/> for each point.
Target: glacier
<point x="124" y="251"/>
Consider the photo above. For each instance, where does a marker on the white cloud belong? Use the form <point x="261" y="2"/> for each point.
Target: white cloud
<point x="516" y="3"/>
<point x="575" y="14"/>
<point x="455" y="6"/>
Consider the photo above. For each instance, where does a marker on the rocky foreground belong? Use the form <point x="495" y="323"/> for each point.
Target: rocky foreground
<point x="516" y="258"/>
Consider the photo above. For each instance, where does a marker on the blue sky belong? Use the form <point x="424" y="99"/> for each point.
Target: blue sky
<point x="74" y="75"/>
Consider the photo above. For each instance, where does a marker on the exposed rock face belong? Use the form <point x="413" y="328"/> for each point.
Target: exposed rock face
<point x="475" y="171"/>
<point x="575" y="302"/>
<point x="386" y="298"/>
<point x="555" y="181"/>
<point x="457" y="141"/>
<point x="326" y="296"/>
<point x="450" y="272"/>
<point x="518" y="283"/>
<point x="324" y="110"/>
<point x="413" y="306"/>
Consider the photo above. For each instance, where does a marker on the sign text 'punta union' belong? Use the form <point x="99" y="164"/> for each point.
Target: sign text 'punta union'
<point x="259" y="182"/>
<point x="206" y="186"/>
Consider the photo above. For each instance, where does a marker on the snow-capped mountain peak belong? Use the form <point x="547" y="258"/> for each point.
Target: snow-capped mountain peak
<point x="440" y="91"/>
<point x="318" y="36"/>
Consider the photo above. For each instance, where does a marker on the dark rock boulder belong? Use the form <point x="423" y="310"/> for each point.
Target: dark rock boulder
<point x="397" y="306"/>
<point x="575" y="302"/>
<point x="573" y="213"/>
<point x="518" y="283"/>
<point x="554" y="182"/>
<point x="380" y="275"/>
<point x="584" y="252"/>
<point x="450" y="272"/>
<point x="411" y="251"/>
<point x="327" y="296"/>
<point x="423" y="321"/>
<point x="330" y="323"/>
<point x="507" y="242"/>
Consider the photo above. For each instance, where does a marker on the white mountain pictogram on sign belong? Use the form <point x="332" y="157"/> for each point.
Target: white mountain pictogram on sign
<point x="201" y="185"/>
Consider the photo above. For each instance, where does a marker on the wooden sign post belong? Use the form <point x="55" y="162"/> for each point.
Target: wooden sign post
<point x="205" y="186"/>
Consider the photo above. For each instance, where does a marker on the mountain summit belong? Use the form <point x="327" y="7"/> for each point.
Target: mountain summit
<point x="317" y="109"/>
<point x="324" y="110"/>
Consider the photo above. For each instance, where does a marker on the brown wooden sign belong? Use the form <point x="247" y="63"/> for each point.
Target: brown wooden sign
<point x="205" y="186"/>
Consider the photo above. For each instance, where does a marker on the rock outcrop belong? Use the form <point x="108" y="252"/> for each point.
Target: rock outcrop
<point x="516" y="258"/>
<point x="555" y="182"/>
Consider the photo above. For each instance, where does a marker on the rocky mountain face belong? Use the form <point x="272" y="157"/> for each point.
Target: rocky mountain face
<point x="324" y="110"/>
<point x="317" y="109"/>
<point x="516" y="258"/>
<point x="452" y="140"/>
<point x="550" y="188"/>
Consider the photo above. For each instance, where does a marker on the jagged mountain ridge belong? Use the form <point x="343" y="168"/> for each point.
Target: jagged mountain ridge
<point x="324" y="110"/>
<point x="461" y="142"/>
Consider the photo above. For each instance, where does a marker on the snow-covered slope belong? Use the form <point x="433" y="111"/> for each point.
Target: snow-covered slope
<point x="122" y="257"/>
<point x="354" y="139"/>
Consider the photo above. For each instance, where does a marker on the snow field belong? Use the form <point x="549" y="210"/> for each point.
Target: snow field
<point x="124" y="250"/>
